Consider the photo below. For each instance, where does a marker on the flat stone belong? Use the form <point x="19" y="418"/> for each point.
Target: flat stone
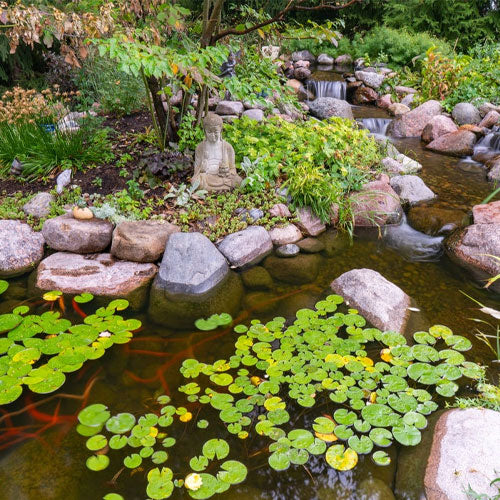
<point x="254" y="114"/>
<point x="381" y="302"/>
<point x="257" y="278"/>
<point x="246" y="248"/>
<point x="99" y="274"/>
<point x="432" y="220"/>
<point x="373" y="80"/>
<point x="309" y="223"/>
<point x="412" y="123"/>
<point x="459" y="143"/>
<point x="230" y="108"/>
<point x="326" y="107"/>
<point x="67" y="234"/>
<point x="280" y="210"/>
<point x="297" y="271"/>
<point x="464" y="454"/>
<point x="490" y="120"/>
<point x="21" y="249"/>
<point x="286" y="251"/>
<point x="191" y="265"/>
<point x="411" y="189"/>
<point x="141" y="241"/>
<point x="310" y="245"/>
<point x="438" y="125"/>
<point x="471" y="247"/>
<point x="487" y="214"/>
<point x="282" y="235"/>
<point x="465" y="112"/>
<point x="39" y="205"/>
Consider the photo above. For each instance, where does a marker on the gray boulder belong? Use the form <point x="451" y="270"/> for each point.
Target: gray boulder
<point x="309" y="223"/>
<point x="439" y="125"/>
<point x="39" y="205"/>
<point x="326" y="107"/>
<point x="230" y="108"/>
<point x="373" y="80"/>
<point x="465" y="112"/>
<point x="411" y="189"/>
<point x="246" y="248"/>
<point x="381" y="302"/>
<point x="254" y="114"/>
<point x="412" y="123"/>
<point x="343" y="60"/>
<point x="66" y="234"/>
<point x="21" y="249"/>
<point x="303" y="55"/>
<point x="63" y="180"/>
<point x="494" y="172"/>
<point x="408" y="100"/>
<point x="282" y="235"/>
<point x="401" y="165"/>
<point x="402" y="90"/>
<point x="141" y="241"/>
<point x="459" y="143"/>
<point x="325" y="59"/>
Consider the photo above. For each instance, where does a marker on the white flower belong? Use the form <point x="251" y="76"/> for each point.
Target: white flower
<point x="193" y="481"/>
<point x="105" y="334"/>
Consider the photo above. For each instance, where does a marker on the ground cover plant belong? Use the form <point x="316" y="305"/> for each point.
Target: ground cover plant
<point x="317" y="387"/>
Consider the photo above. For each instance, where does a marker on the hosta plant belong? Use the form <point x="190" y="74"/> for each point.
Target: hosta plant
<point x="302" y="389"/>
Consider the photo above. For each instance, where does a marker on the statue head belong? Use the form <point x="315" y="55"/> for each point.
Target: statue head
<point x="212" y="124"/>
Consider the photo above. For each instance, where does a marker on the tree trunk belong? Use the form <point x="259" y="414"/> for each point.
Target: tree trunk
<point x="168" y="134"/>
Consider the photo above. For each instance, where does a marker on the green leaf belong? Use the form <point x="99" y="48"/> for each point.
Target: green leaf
<point x="97" y="462"/>
<point x="132" y="461"/>
<point x="94" y="415"/>
<point x="361" y="445"/>
<point x="233" y="472"/>
<point x="121" y="423"/>
<point x="341" y="459"/>
<point x="381" y="437"/>
<point x="83" y="298"/>
<point x="381" y="458"/>
<point x="407" y="435"/>
<point x="215" y="448"/>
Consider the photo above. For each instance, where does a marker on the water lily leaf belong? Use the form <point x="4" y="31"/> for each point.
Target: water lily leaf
<point x="274" y="403"/>
<point x="323" y="425"/>
<point x="458" y="342"/>
<point x="209" y="487"/>
<point x="121" y="423"/>
<point x="9" y="322"/>
<point x="213" y="322"/>
<point x="202" y="424"/>
<point x="278" y="417"/>
<point x="215" y="447"/>
<point x="407" y="435"/>
<point x="301" y="438"/>
<point x="5" y="344"/>
<point x="112" y="496"/>
<point x="381" y="458"/>
<point x="159" y="457"/>
<point x="362" y="426"/>
<point x="94" y="415"/>
<point x="83" y="430"/>
<point x="446" y="388"/>
<point x="199" y="464"/>
<point x="279" y="461"/>
<point x="233" y="472"/>
<point x="394" y="383"/>
<point x="118" y="442"/>
<point x="423" y="373"/>
<point x="345" y="417"/>
<point x="424" y="353"/>
<point x="21" y="310"/>
<point x="361" y="445"/>
<point x="10" y="389"/>
<point x="381" y="437"/>
<point x="341" y="459"/>
<point x="132" y="461"/>
<point x="427" y="407"/>
<point x="379" y="415"/>
<point x="424" y="338"/>
<point x="452" y="357"/>
<point x="402" y="402"/>
<point x="97" y="442"/>
<point x="449" y="372"/>
<point x="3" y="286"/>
<point x="117" y="304"/>
<point x="343" y="432"/>
<point x="51" y="381"/>
<point x="97" y="462"/>
<point x="160" y="484"/>
<point x="391" y="339"/>
<point x="221" y="401"/>
<point x="52" y="296"/>
<point x="415" y="419"/>
<point x="472" y="370"/>
<point x="440" y="331"/>
<point x="83" y="298"/>
<point x="298" y="456"/>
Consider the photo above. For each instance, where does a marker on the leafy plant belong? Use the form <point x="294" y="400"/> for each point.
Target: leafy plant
<point x="278" y="378"/>
<point x="185" y="195"/>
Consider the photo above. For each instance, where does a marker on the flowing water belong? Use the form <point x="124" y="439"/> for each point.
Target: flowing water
<point x="42" y="457"/>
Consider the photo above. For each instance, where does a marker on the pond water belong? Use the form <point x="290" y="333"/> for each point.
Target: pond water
<point x="42" y="457"/>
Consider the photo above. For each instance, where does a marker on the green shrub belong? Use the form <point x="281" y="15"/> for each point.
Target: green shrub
<point x="317" y="161"/>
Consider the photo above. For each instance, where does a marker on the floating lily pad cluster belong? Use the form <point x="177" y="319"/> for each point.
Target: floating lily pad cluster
<point x="38" y="351"/>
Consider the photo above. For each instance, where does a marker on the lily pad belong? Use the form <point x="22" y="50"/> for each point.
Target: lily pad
<point x="407" y="435"/>
<point x="121" y="423"/>
<point x="341" y="459"/>
<point x="381" y="458"/>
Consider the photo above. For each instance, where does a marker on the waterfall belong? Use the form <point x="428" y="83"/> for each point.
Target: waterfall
<point x="321" y="88"/>
<point x="490" y="142"/>
<point x="376" y="126"/>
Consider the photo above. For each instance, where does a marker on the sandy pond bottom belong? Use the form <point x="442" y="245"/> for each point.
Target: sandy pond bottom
<point x="42" y="457"/>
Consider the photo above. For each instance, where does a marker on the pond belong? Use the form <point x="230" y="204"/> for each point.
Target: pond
<point x="42" y="457"/>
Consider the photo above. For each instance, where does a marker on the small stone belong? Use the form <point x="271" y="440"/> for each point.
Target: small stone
<point x="271" y="51"/>
<point x="280" y="210"/>
<point x="63" y="180"/>
<point x="487" y="214"/>
<point x="282" y="235"/>
<point x="309" y="223"/>
<point x="411" y="189"/>
<point x="385" y="101"/>
<point x="439" y="125"/>
<point x="290" y="250"/>
<point x="365" y="95"/>
<point x="230" y="108"/>
<point x="408" y="100"/>
<point x="403" y="165"/>
<point x="257" y="278"/>
<point x="39" y="205"/>
<point x="254" y="114"/>
<point x="302" y="73"/>
<point x="302" y="64"/>
<point x="402" y="90"/>
<point x="310" y="245"/>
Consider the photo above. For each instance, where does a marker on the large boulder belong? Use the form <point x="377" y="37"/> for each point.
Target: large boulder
<point x="309" y="223"/>
<point x="326" y="107"/>
<point x="472" y="249"/>
<point x="438" y="125"/>
<point x="21" y="249"/>
<point x="463" y="454"/>
<point x="254" y="114"/>
<point x="412" y="123"/>
<point x="325" y="59"/>
<point x="303" y="55"/>
<point x="67" y="234"/>
<point x="343" y="60"/>
<point x="381" y="302"/>
<point x="297" y="271"/>
<point x="376" y="204"/>
<point x="246" y="248"/>
<point x="385" y="101"/>
<point x="411" y="189"/>
<point x="488" y="213"/>
<point x="230" y="108"/>
<point x="39" y="205"/>
<point x="373" y="80"/>
<point x="459" y="143"/>
<point x="257" y="278"/>
<point x="99" y="274"/>
<point x="282" y="235"/>
<point x="141" y="241"/>
<point x="465" y="112"/>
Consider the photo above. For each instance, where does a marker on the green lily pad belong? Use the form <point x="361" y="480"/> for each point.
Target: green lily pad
<point x="345" y="417"/>
<point x="83" y="298"/>
<point x="215" y="448"/>
<point x="407" y="435"/>
<point x="97" y="462"/>
<point x="415" y="419"/>
<point x="381" y="458"/>
<point x="94" y="415"/>
<point x="97" y="442"/>
<point x="9" y="322"/>
<point x="233" y="472"/>
<point x="121" y="423"/>
<point x="323" y="425"/>
<point x="423" y="373"/>
<point x="458" y="342"/>
<point x="279" y="461"/>
<point x="381" y="437"/>
<point x="340" y="458"/>
<point x="132" y="461"/>
<point x="361" y="445"/>
<point x="118" y="442"/>
<point x="379" y="415"/>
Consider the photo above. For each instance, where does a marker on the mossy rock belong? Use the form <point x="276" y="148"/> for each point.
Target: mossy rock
<point x="430" y="220"/>
<point x="257" y="278"/>
<point x="297" y="271"/>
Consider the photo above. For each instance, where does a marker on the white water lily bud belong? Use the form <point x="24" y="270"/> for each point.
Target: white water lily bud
<point x="193" y="481"/>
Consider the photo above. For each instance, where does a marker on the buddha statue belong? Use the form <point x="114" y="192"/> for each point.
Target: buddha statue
<point x="214" y="165"/>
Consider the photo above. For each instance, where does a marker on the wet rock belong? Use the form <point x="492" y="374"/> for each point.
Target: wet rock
<point x="381" y="302"/>
<point x="490" y="120"/>
<point x="373" y="80"/>
<point x="246" y="248"/>
<point x="302" y="64"/>
<point x="39" y="205"/>
<point x="325" y="59"/>
<point x="297" y="271"/>
<point x="376" y="204"/>
<point x="285" y="251"/>
<point x="343" y="60"/>
<point x="464" y="453"/>
<point x="470" y="249"/>
<point x="402" y="90"/>
<point x="465" y="112"/>
<point x="397" y="109"/>
<point x="141" y="241"/>
<point x="459" y="143"/>
<point x="254" y="114"/>
<point x="63" y="180"/>
<point x="311" y="245"/>
<point x="99" y="274"/>
<point x="326" y="107"/>
<point x="494" y="172"/>
<point x="403" y="165"/>
<point x="280" y="210"/>
<point x="365" y="95"/>
<point x="335" y="242"/>
<point x="282" y="235"/>
<point x="411" y="189"/>
<point x="66" y="234"/>
<point x="432" y="220"/>
<point x="487" y="214"/>
<point x="261" y="302"/>
<point x="439" y="125"/>
<point x="374" y="489"/>
<point x="257" y="278"/>
<point x="385" y="101"/>
<point x="412" y="123"/>
<point x="230" y="108"/>
<point x="21" y="249"/>
<point x="302" y="73"/>
<point x="309" y="223"/>
<point x="303" y="55"/>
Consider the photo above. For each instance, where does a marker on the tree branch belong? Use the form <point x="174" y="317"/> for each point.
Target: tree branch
<point x="324" y="6"/>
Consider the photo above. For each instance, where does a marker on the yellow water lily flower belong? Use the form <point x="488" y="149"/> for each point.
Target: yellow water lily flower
<point x="186" y="417"/>
<point x="193" y="481"/>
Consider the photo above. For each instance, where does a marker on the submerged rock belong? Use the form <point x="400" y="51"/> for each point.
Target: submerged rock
<point x="39" y="205"/>
<point x="459" y="143"/>
<point x="21" y="249"/>
<point x="297" y="271"/>
<point x="326" y="107"/>
<point x="99" y="274"/>
<point x="381" y="302"/>
<point x="411" y="189"/>
<point x="432" y="220"/>
<point x="257" y="278"/>
<point x="286" y="251"/>
<point x="412" y="124"/>
<point x="311" y="245"/>
<point x="374" y="489"/>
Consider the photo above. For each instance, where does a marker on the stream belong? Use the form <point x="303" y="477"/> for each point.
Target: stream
<point x="42" y="457"/>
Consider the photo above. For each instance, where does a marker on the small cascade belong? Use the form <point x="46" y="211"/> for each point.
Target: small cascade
<point x="489" y="143"/>
<point x="323" y="88"/>
<point x="377" y="126"/>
